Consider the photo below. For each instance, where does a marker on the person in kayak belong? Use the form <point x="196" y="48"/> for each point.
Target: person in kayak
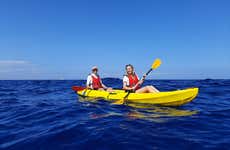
<point x="94" y="81"/>
<point x="132" y="83"/>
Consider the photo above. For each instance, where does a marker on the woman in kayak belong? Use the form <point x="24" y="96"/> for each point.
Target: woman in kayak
<point x="94" y="81"/>
<point x="132" y="83"/>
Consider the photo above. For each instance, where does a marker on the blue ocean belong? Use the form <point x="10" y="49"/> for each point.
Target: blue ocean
<point x="47" y="114"/>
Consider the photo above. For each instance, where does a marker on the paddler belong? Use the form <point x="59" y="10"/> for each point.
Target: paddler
<point x="94" y="81"/>
<point x="132" y="83"/>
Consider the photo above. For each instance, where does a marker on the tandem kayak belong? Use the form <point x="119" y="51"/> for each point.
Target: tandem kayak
<point x="171" y="98"/>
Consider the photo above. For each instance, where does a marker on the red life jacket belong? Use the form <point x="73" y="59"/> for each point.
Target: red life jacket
<point x="96" y="82"/>
<point x="133" y="80"/>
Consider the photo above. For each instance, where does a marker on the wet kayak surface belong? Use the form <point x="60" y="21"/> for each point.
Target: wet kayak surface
<point x="48" y="115"/>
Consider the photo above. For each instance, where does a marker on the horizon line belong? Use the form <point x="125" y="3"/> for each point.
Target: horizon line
<point x="112" y="78"/>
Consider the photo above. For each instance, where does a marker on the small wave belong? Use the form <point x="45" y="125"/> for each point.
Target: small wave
<point x="49" y="115"/>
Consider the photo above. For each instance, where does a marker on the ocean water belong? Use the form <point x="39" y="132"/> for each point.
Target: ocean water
<point x="49" y="115"/>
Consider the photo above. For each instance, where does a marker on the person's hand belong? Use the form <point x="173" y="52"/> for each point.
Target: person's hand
<point x="140" y="82"/>
<point x="109" y="89"/>
<point x="144" y="76"/>
<point x="133" y="88"/>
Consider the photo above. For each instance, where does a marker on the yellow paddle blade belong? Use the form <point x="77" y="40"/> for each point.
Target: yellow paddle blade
<point x="119" y="102"/>
<point x="156" y="63"/>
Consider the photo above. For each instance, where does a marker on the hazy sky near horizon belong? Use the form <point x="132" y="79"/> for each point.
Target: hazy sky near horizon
<point x="63" y="39"/>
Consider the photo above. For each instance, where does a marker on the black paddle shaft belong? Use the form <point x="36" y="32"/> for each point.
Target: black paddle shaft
<point x="127" y="94"/>
<point x="149" y="71"/>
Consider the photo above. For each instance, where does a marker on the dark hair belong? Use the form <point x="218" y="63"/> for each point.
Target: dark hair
<point x="129" y="65"/>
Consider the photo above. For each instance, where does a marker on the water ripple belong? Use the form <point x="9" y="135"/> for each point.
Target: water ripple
<point x="48" y="115"/>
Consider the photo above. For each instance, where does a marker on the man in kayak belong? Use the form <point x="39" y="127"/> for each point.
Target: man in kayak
<point x="132" y="83"/>
<point x="94" y="81"/>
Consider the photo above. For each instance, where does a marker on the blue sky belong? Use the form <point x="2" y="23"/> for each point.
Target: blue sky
<point x="63" y="39"/>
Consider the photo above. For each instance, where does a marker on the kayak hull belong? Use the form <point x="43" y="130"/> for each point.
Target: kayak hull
<point x="171" y="98"/>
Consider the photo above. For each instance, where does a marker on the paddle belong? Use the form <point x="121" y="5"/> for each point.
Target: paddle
<point x="154" y="66"/>
<point x="78" y="88"/>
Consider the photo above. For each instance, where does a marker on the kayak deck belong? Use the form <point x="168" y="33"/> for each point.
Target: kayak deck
<point x="171" y="98"/>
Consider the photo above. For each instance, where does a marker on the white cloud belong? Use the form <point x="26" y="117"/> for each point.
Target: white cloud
<point x="18" y="69"/>
<point x="13" y="62"/>
<point x="13" y="66"/>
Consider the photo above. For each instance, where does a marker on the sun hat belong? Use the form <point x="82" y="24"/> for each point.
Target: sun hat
<point x="94" y="68"/>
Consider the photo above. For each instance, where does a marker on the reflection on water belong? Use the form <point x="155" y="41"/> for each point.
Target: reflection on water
<point x="88" y="99"/>
<point x="144" y="111"/>
<point x="157" y="113"/>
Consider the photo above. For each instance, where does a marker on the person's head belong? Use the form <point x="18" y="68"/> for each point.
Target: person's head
<point x="129" y="69"/>
<point x="94" y="69"/>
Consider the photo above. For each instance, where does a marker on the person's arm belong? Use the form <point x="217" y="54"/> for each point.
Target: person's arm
<point x="103" y="86"/>
<point x="125" y="87"/>
<point x="125" y="83"/>
<point x="140" y="82"/>
<point x="89" y="82"/>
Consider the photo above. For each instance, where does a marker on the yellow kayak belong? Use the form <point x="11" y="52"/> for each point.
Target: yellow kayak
<point x="171" y="98"/>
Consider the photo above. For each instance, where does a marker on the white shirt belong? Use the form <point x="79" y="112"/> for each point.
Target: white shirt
<point x="126" y="80"/>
